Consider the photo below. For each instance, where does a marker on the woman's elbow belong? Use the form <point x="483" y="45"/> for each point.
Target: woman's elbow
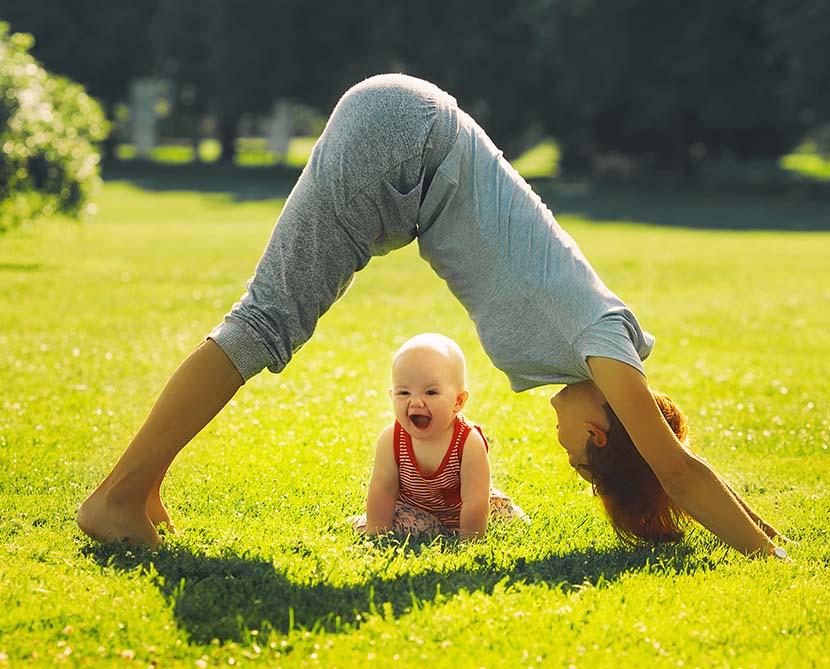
<point x="682" y="476"/>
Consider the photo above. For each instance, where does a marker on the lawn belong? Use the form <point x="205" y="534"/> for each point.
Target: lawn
<point x="805" y="164"/>
<point x="264" y="571"/>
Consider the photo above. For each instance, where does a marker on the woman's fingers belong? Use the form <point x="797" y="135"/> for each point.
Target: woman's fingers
<point x="787" y="540"/>
<point x="772" y="533"/>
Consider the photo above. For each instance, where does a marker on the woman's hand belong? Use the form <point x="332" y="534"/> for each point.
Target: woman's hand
<point x="765" y="527"/>
<point x="774" y="534"/>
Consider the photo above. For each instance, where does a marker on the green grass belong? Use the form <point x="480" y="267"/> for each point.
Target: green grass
<point x="252" y="152"/>
<point x="540" y="161"/>
<point x="265" y="572"/>
<point x="808" y="164"/>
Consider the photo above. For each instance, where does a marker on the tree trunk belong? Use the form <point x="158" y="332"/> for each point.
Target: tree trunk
<point x="110" y="142"/>
<point x="227" y="138"/>
<point x="196" y="140"/>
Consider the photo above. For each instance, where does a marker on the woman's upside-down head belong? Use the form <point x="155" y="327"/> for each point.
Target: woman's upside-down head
<point x="603" y="453"/>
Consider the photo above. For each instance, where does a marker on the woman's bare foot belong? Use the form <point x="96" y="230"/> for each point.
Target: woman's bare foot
<point x="106" y="521"/>
<point x="157" y="513"/>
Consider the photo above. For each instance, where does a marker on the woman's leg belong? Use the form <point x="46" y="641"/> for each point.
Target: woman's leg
<point x="156" y="511"/>
<point x="199" y="388"/>
<point x="359" y="196"/>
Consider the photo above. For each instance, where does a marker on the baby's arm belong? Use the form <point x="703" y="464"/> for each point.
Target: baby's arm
<point x="383" y="488"/>
<point x="475" y="488"/>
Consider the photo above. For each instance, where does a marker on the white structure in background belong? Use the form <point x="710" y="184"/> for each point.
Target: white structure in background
<point x="279" y="128"/>
<point x="144" y="95"/>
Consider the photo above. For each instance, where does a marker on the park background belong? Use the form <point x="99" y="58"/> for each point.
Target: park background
<point x="686" y="147"/>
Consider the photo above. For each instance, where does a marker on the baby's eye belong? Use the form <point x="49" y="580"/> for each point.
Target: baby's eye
<point x="402" y="393"/>
<point x="432" y="392"/>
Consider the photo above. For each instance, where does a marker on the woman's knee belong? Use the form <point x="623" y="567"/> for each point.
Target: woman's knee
<point x="378" y="125"/>
<point x="387" y="105"/>
<point x="380" y="88"/>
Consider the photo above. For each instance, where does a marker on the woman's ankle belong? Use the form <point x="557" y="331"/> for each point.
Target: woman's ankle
<point x="119" y="493"/>
<point x="106" y="521"/>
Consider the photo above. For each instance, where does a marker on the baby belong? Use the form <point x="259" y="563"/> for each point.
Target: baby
<point x="431" y="474"/>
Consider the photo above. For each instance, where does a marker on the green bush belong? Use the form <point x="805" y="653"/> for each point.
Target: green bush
<point x="49" y="128"/>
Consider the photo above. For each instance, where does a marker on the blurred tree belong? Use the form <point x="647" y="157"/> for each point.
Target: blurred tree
<point x="664" y="83"/>
<point x="330" y="49"/>
<point x="481" y="51"/>
<point x="800" y="30"/>
<point x="49" y="128"/>
<point x="232" y="58"/>
<point x="181" y="44"/>
<point x="667" y="82"/>
<point x="102" y="44"/>
<point x="247" y="39"/>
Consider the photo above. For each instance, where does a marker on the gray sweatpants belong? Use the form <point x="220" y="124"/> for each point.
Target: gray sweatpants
<point x="399" y="160"/>
<point x="358" y="197"/>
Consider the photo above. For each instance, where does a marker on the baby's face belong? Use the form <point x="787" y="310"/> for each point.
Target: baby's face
<point x="427" y="392"/>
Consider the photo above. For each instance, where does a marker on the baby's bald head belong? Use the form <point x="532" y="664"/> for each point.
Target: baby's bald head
<point x="438" y="348"/>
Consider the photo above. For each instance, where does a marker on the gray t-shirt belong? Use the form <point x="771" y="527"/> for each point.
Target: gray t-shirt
<point x="539" y="307"/>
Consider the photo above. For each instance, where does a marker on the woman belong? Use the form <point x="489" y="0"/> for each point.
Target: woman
<point x="399" y="160"/>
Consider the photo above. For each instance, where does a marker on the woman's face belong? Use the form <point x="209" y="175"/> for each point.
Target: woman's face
<point x="580" y="415"/>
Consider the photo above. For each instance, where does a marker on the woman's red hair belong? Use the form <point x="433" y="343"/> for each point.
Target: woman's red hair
<point x="634" y="500"/>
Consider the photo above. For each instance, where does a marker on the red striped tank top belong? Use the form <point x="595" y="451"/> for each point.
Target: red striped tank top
<point x="440" y="492"/>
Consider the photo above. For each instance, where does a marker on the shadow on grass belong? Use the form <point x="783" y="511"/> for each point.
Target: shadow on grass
<point x="226" y="597"/>
<point x="19" y="267"/>
<point x="724" y="205"/>
<point x="717" y="209"/>
<point x="240" y="183"/>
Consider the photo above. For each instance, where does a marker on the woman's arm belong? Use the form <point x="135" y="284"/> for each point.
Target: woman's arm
<point x="383" y="487"/>
<point x="766" y="528"/>
<point x="475" y="488"/>
<point x="688" y="480"/>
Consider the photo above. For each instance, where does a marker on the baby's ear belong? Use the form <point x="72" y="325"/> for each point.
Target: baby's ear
<point x="461" y="400"/>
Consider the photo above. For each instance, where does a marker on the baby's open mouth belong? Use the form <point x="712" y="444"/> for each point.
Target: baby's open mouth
<point x="419" y="421"/>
